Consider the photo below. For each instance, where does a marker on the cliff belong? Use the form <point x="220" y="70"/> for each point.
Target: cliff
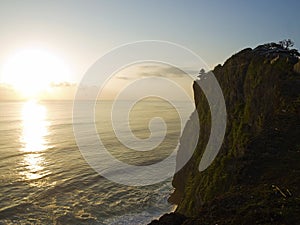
<point x="255" y="176"/>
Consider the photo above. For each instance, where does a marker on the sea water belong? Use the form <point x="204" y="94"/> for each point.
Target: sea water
<point x="44" y="178"/>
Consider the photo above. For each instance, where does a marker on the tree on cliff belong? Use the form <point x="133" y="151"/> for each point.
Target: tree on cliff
<point x="201" y="74"/>
<point x="286" y="43"/>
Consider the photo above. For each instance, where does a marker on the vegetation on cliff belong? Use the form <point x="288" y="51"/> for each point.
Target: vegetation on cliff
<point x="255" y="177"/>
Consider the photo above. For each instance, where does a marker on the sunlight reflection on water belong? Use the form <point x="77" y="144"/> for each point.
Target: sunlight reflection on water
<point x="34" y="131"/>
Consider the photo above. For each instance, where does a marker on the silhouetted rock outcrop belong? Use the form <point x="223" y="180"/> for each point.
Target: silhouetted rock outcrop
<point x="255" y="178"/>
<point x="171" y="218"/>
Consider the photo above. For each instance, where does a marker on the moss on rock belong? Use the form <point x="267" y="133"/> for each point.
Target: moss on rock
<point x="261" y="146"/>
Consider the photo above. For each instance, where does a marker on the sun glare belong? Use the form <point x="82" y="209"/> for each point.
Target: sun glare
<point x="34" y="127"/>
<point x="31" y="71"/>
<point x="34" y="140"/>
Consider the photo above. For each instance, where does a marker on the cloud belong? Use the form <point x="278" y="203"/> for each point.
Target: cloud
<point x="166" y="71"/>
<point x="63" y="84"/>
<point x="163" y="72"/>
<point x="124" y="78"/>
<point x="7" y="92"/>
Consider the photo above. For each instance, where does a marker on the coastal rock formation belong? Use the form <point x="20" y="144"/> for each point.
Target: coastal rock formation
<point x="255" y="178"/>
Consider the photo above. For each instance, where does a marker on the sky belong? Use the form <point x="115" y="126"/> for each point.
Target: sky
<point x="80" y="32"/>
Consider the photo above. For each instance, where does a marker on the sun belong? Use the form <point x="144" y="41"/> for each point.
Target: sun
<point x="31" y="71"/>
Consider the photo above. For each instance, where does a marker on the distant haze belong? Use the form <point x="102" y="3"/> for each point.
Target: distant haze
<point x="79" y="32"/>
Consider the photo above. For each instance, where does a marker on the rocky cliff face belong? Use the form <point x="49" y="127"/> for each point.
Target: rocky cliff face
<point x="255" y="177"/>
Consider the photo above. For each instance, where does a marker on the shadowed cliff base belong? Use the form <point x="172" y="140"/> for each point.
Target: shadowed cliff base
<point x="255" y="177"/>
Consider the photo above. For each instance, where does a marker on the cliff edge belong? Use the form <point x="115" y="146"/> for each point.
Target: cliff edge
<point x="255" y="176"/>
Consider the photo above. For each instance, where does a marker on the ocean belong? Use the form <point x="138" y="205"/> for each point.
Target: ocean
<point x="44" y="178"/>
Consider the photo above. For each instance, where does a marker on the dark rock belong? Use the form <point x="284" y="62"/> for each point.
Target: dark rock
<point x="261" y="146"/>
<point x="169" y="219"/>
<point x="297" y="67"/>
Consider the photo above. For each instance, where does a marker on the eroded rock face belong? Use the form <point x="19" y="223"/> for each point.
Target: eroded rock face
<point x="255" y="177"/>
<point x="297" y="67"/>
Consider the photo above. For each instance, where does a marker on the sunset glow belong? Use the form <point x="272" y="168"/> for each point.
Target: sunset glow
<point x="31" y="71"/>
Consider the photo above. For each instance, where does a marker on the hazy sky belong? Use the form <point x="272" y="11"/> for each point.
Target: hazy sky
<point x="81" y="31"/>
